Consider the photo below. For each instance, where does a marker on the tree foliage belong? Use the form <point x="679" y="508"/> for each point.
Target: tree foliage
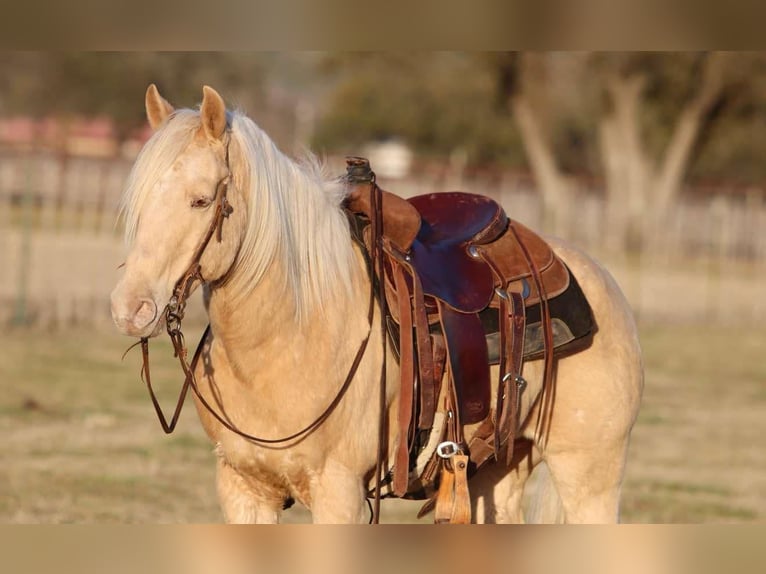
<point x="437" y="103"/>
<point x="114" y="83"/>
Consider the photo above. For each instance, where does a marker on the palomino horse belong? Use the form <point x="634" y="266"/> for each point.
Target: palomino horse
<point x="288" y="298"/>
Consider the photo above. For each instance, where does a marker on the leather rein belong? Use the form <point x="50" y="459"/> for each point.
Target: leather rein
<point x="174" y="314"/>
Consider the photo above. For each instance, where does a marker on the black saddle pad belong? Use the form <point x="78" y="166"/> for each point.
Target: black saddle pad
<point x="571" y="321"/>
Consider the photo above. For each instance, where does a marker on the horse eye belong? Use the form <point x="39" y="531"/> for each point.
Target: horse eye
<point x="201" y="202"/>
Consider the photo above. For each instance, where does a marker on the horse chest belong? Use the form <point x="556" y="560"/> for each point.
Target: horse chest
<point x="289" y="471"/>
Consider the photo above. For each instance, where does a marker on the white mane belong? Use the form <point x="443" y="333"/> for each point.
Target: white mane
<point x="156" y="158"/>
<point x="294" y="219"/>
<point x="294" y="216"/>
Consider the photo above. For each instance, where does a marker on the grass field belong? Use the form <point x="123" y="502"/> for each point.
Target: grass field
<point x="82" y="443"/>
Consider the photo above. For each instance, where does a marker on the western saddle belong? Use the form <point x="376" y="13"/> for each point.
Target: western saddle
<point x="462" y="287"/>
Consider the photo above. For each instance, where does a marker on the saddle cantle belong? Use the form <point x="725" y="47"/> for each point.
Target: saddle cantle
<point x="466" y="285"/>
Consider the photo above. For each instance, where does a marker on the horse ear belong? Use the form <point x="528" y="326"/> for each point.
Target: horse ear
<point x="213" y="112"/>
<point x="157" y="107"/>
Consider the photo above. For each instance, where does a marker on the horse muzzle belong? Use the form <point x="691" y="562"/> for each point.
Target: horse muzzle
<point x="136" y="316"/>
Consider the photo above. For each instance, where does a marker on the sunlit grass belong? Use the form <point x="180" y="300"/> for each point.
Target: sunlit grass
<point x="85" y="446"/>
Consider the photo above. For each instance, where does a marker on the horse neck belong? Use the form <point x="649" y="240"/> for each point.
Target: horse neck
<point x="255" y="316"/>
<point x="263" y="318"/>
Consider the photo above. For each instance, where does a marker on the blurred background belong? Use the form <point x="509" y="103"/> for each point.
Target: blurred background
<point x="652" y="162"/>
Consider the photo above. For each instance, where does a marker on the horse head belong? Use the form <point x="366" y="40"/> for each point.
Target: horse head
<point x="177" y="202"/>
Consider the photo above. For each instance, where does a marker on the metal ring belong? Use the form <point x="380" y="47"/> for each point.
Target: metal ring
<point x="447" y="449"/>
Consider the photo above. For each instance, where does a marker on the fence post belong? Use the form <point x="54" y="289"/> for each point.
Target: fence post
<point x="21" y="311"/>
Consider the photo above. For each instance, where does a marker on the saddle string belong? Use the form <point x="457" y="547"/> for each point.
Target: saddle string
<point x="512" y="322"/>
<point x="542" y="425"/>
<point x="378" y="263"/>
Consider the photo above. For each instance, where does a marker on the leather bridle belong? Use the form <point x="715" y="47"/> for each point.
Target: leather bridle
<point x="174" y="314"/>
<point x="175" y="309"/>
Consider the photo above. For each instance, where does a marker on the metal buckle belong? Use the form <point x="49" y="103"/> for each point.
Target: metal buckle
<point x="520" y="381"/>
<point x="525" y="290"/>
<point x="447" y="449"/>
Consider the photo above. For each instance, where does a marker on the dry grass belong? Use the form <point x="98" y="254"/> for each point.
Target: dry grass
<point x="698" y="453"/>
<point x="85" y="446"/>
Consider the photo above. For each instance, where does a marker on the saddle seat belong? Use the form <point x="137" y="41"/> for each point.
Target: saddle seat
<point x="464" y="250"/>
<point x="456" y="217"/>
<point x="444" y="254"/>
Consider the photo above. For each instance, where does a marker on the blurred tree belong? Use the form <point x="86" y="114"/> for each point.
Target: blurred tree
<point x="657" y="112"/>
<point x="687" y="91"/>
<point x="436" y="102"/>
<point x="644" y="123"/>
<point x="522" y="86"/>
<point x="113" y="83"/>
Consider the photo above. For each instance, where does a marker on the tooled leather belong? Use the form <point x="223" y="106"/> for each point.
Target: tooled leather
<point x="401" y="221"/>
<point x="507" y="255"/>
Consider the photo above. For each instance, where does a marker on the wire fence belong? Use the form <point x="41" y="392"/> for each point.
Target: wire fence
<point x="60" y="247"/>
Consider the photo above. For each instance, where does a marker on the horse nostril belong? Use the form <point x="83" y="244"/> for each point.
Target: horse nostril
<point x="145" y="314"/>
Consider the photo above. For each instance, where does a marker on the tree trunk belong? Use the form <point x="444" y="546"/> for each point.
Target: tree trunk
<point x="640" y="191"/>
<point x="678" y="152"/>
<point x="554" y="186"/>
<point x="627" y="169"/>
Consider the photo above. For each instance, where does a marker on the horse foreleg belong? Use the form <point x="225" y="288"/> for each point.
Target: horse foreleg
<point x="240" y="503"/>
<point x="337" y="496"/>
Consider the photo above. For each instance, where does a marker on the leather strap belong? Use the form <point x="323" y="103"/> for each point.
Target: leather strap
<point x="546" y="398"/>
<point x="190" y="380"/>
<point x="426" y="354"/>
<point x="378" y="268"/>
<point x="512" y="328"/>
<point x="461" y="509"/>
<point x="428" y="359"/>
<point x="146" y="376"/>
<point x="445" y="496"/>
<point x="469" y="363"/>
<point x="482" y="444"/>
<point x="453" y="500"/>
<point x="439" y="362"/>
<point x="407" y="387"/>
